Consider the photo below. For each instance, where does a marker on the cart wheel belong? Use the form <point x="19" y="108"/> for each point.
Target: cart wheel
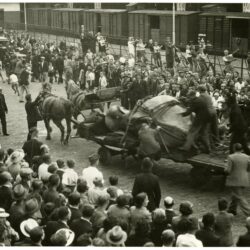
<point x="200" y="176"/>
<point x="104" y="155"/>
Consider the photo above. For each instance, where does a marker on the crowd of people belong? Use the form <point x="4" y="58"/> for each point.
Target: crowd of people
<point x="44" y="202"/>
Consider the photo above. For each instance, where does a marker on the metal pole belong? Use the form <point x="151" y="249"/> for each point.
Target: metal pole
<point x="173" y="33"/>
<point x="25" y="17"/>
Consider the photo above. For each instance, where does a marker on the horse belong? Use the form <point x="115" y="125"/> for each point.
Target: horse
<point x="56" y="109"/>
<point x="80" y="99"/>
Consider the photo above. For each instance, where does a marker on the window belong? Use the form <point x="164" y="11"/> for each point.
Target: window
<point x="154" y="22"/>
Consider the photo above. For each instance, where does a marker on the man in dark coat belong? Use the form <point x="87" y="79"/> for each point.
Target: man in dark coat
<point x="169" y="54"/>
<point x="31" y="111"/>
<point x="200" y="126"/>
<point x="35" y="66"/>
<point x="3" y="112"/>
<point x="207" y="235"/>
<point x="64" y="215"/>
<point x="32" y="147"/>
<point x="238" y="126"/>
<point x="83" y="225"/>
<point x="59" y="66"/>
<point x="244" y="240"/>
<point x="148" y="182"/>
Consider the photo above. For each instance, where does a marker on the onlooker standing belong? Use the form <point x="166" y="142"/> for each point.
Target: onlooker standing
<point x="238" y="179"/>
<point x="59" y="66"/>
<point x="223" y="224"/>
<point x="32" y="147"/>
<point x="44" y="68"/>
<point x="24" y="82"/>
<point x="92" y="172"/>
<point x="31" y="111"/>
<point x="207" y="234"/>
<point x="148" y="182"/>
<point x="3" y="112"/>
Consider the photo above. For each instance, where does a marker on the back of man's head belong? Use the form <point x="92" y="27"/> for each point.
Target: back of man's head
<point x="222" y="204"/>
<point x="54" y="180"/>
<point x="147" y="164"/>
<point x="87" y="211"/>
<point x="63" y="213"/>
<point x="46" y="158"/>
<point x="208" y="220"/>
<point x="168" y="237"/>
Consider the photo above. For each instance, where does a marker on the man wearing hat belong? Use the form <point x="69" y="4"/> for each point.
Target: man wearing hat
<point x="43" y="69"/>
<point x="17" y="211"/>
<point x="116" y="237"/>
<point x="92" y="172"/>
<point x="3" y="112"/>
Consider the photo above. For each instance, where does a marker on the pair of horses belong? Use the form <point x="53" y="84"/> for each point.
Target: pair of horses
<point x="57" y="108"/>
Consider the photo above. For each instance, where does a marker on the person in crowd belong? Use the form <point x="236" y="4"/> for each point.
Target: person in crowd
<point x="33" y="114"/>
<point x="186" y="210"/>
<point x="3" y="112"/>
<point x="91" y="172"/>
<point x="206" y="234"/>
<point x="148" y="182"/>
<point x="223" y="224"/>
<point x="43" y="69"/>
<point x="74" y="205"/>
<point x="237" y="179"/>
<point x="13" y="81"/>
<point x="244" y="240"/>
<point x="188" y="238"/>
<point x="24" y="82"/>
<point x="139" y="211"/>
<point x="52" y="227"/>
<point x="70" y="177"/>
<point x="169" y="211"/>
<point x="168" y="238"/>
<point x="83" y="225"/>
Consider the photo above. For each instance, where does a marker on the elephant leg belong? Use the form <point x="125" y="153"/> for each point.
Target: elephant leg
<point x="68" y="123"/>
<point x="58" y="123"/>
<point x="48" y="128"/>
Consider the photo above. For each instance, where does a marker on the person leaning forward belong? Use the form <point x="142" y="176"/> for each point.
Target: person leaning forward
<point x="200" y="126"/>
<point x="238" y="169"/>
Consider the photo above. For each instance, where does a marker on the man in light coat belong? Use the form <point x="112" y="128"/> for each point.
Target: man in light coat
<point x="238" y="179"/>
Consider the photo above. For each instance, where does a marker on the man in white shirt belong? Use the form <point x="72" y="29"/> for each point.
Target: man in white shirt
<point x="13" y="80"/>
<point x="102" y="80"/>
<point x="91" y="173"/>
<point x="187" y="239"/>
<point x="70" y="177"/>
<point x="43" y="173"/>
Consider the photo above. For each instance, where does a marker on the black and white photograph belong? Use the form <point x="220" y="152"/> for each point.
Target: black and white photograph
<point x="125" y="124"/>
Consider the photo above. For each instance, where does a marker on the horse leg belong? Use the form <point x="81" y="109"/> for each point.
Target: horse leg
<point x="48" y="128"/>
<point x="68" y="123"/>
<point x="58" y="123"/>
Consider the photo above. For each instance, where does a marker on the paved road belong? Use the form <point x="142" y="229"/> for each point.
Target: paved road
<point x="174" y="178"/>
